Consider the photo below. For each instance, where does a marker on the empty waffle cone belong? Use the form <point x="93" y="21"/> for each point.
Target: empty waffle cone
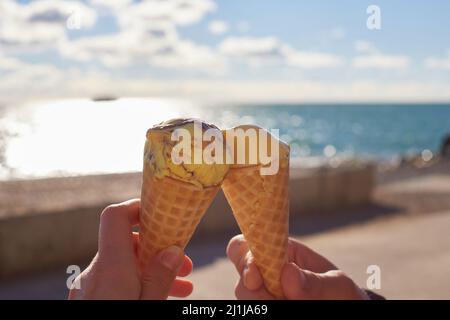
<point x="259" y="197"/>
<point x="170" y="213"/>
<point x="260" y="205"/>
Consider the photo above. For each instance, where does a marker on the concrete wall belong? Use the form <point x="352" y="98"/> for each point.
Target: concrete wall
<point x="50" y="222"/>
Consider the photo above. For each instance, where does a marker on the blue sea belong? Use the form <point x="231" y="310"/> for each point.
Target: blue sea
<point x="71" y="137"/>
<point x="380" y="131"/>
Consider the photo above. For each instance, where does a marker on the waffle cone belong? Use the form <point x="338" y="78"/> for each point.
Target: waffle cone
<point x="260" y="205"/>
<point x="170" y="212"/>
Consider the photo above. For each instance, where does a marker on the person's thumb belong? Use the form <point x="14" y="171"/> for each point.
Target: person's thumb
<point x="303" y="284"/>
<point x="160" y="272"/>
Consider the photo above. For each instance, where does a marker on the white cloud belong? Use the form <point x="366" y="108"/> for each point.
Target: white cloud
<point x="75" y="83"/>
<point x="9" y="63"/>
<point x="44" y="81"/>
<point x="148" y="34"/>
<point x="438" y="63"/>
<point x="381" y="61"/>
<point x="123" y="48"/>
<point x="39" y="23"/>
<point x="258" y="51"/>
<point x="20" y="79"/>
<point x="373" y="58"/>
<point x="177" y="12"/>
<point x="104" y="49"/>
<point x="111" y="4"/>
<point x="186" y="54"/>
<point x="218" y="27"/>
<point x="248" y="46"/>
<point x="310" y="59"/>
<point x="160" y="47"/>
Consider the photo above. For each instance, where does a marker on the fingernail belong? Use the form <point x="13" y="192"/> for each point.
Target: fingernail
<point x="171" y="258"/>
<point x="245" y="276"/>
<point x="234" y="247"/>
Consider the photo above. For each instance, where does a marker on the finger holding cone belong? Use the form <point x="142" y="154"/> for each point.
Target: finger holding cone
<point x="175" y="196"/>
<point x="260" y="202"/>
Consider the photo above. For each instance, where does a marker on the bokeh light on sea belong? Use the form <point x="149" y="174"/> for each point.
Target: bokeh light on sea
<point x="70" y="137"/>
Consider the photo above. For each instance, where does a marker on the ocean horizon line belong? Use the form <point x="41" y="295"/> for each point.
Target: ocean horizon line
<point x="230" y="103"/>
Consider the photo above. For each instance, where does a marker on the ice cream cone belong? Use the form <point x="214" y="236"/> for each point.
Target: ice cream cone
<point x="170" y="213"/>
<point x="260" y="204"/>
<point x="174" y="197"/>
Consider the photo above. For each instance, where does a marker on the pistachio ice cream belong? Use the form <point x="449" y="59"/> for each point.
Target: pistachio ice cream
<point x="159" y="155"/>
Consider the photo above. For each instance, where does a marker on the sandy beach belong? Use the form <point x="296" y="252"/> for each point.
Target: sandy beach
<point x="404" y="231"/>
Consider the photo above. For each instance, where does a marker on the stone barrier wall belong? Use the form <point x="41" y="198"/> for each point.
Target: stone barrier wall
<point x="50" y="222"/>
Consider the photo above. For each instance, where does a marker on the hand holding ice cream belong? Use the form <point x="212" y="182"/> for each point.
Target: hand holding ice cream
<point x="114" y="272"/>
<point x="307" y="276"/>
<point x="175" y="195"/>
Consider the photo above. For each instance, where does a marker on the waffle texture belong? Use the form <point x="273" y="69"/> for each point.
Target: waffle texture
<point x="260" y="205"/>
<point x="170" y="213"/>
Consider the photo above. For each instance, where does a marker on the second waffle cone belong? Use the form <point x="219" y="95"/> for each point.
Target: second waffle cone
<point x="260" y="205"/>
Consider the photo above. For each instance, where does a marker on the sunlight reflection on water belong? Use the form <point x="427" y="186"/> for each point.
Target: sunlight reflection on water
<point x="80" y="136"/>
<point x="74" y="136"/>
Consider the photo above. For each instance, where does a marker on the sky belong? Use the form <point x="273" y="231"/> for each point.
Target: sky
<point x="226" y="50"/>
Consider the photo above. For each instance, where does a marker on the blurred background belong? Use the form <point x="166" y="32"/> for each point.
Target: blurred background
<point x="360" y="91"/>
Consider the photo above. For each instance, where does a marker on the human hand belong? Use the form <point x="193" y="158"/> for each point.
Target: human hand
<point x="114" y="271"/>
<point x="306" y="276"/>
